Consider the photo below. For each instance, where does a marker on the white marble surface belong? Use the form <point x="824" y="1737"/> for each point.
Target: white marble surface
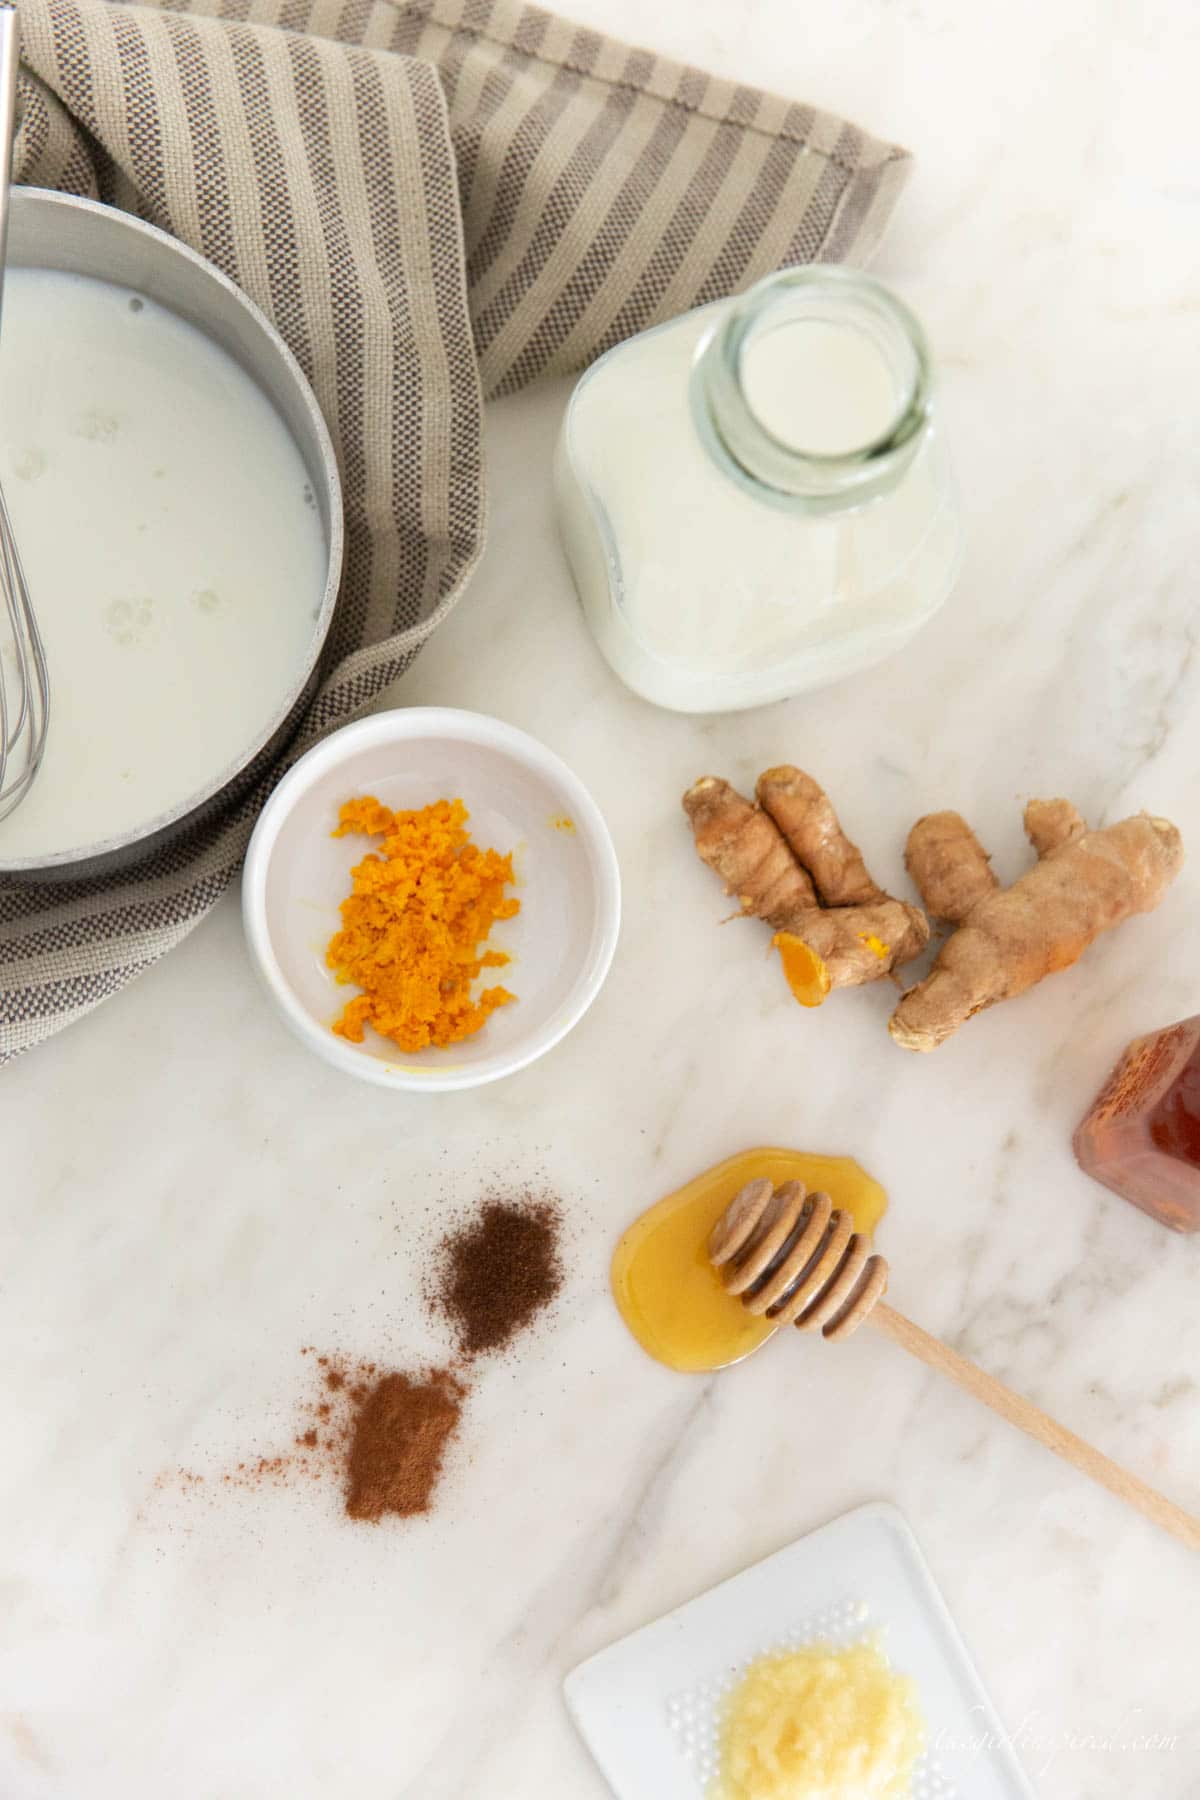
<point x="187" y="1197"/>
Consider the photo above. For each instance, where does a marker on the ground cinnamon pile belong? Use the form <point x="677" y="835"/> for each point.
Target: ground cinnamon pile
<point x="498" y="1271"/>
<point x="400" y="1437"/>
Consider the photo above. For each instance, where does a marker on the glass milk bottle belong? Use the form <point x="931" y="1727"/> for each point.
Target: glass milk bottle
<point x="753" y="498"/>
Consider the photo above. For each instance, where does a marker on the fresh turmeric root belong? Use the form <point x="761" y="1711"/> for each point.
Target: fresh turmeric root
<point x="1083" y="883"/>
<point x="790" y="864"/>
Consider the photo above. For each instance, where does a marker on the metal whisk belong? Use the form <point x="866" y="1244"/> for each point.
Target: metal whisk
<point x="24" y="683"/>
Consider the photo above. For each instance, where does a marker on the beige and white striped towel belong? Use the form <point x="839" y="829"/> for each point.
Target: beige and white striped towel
<point x="433" y="200"/>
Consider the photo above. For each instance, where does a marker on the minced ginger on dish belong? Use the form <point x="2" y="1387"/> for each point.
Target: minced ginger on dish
<point x="412" y="927"/>
<point x="820" y="1724"/>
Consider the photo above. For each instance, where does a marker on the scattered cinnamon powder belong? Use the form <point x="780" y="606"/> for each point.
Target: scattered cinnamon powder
<point x="499" y="1270"/>
<point x="400" y="1438"/>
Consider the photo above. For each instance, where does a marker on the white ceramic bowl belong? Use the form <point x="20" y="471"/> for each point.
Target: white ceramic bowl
<point x="518" y="794"/>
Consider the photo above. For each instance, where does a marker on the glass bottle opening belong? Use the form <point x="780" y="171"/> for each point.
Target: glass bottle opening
<point x="813" y="388"/>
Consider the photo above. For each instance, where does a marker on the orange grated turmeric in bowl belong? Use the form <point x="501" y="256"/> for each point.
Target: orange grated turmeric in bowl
<point x="414" y="922"/>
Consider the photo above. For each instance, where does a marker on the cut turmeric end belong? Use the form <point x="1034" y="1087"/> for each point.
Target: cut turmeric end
<point x="806" y="973"/>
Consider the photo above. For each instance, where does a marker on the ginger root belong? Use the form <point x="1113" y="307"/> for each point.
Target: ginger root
<point x="789" y="863"/>
<point x="1083" y="883"/>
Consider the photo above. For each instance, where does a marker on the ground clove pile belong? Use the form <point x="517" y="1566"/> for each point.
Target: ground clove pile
<point x="498" y="1271"/>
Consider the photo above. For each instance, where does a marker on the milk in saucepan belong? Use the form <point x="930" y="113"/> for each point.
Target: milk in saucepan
<point x="172" y="546"/>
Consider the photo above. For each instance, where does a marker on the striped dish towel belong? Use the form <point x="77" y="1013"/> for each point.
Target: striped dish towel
<point x="433" y="200"/>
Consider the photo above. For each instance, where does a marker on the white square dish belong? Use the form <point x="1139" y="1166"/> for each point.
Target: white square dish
<point x="647" y="1706"/>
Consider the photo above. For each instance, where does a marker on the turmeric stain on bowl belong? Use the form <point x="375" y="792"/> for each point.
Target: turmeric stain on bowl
<point x="416" y="923"/>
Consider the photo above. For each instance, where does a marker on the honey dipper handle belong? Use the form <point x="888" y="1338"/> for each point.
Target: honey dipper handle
<point x="1030" y="1418"/>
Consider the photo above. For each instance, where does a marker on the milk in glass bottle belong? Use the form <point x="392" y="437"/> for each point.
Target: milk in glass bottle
<point x="754" y="498"/>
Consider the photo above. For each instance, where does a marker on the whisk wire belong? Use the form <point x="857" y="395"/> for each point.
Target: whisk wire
<point x="24" y="713"/>
<point x="23" y="725"/>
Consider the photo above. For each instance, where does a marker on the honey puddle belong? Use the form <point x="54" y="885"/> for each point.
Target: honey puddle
<point x="667" y="1291"/>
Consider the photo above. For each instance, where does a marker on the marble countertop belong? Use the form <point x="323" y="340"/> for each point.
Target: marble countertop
<point x="188" y="1197"/>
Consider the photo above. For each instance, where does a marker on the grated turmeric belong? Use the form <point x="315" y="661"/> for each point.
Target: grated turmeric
<point x="413" y="924"/>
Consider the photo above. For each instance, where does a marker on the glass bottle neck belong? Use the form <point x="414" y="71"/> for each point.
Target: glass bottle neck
<point x="813" y="389"/>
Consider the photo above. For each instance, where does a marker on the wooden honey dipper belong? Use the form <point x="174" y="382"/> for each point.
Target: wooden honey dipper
<point x="792" y="1257"/>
